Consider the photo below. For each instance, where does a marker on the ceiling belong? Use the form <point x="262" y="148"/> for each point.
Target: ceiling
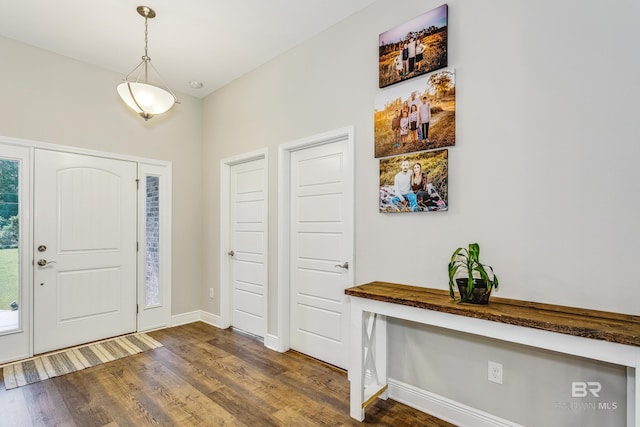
<point x="208" y="41"/>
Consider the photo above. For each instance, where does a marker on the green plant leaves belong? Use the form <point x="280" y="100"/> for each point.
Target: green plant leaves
<point x="469" y="260"/>
<point x="474" y="252"/>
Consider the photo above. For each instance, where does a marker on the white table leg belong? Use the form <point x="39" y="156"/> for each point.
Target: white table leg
<point x="633" y="397"/>
<point x="356" y="362"/>
<point x="368" y="359"/>
<point x="381" y="353"/>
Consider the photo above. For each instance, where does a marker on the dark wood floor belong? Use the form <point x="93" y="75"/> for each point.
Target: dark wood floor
<point x="203" y="376"/>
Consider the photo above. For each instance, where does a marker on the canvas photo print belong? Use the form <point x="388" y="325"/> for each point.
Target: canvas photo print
<point x="414" y="48"/>
<point x="415" y="183"/>
<point x="417" y="115"/>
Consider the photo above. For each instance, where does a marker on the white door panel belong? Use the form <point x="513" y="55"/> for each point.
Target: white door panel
<point x="317" y="323"/>
<point x="87" y="197"/>
<point x="85" y="215"/>
<point x="249" y="300"/>
<point x="325" y="207"/>
<point x="87" y="293"/>
<point x="250" y="212"/>
<point x="320" y="246"/>
<point x="321" y="285"/>
<point x="321" y="238"/>
<point x="248" y="240"/>
<point x="321" y="170"/>
<point x="246" y="272"/>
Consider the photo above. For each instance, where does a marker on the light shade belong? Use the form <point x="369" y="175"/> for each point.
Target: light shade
<point x="146" y="99"/>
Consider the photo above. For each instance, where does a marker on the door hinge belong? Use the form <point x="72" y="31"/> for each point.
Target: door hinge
<point x="137" y="184"/>
<point x="137" y="247"/>
<point x="137" y="309"/>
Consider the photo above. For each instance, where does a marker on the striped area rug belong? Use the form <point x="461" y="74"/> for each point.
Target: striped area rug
<point x="75" y="359"/>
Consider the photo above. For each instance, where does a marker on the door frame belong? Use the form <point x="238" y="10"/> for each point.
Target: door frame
<point x="157" y="316"/>
<point x="20" y="340"/>
<point x="284" y="205"/>
<point x="165" y="253"/>
<point x="226" y="292"/>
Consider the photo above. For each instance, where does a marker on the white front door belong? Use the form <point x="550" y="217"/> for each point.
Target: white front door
<point x="85" y="249"/>
<point x="248" y="241"/>
<point x="321" y="247"/>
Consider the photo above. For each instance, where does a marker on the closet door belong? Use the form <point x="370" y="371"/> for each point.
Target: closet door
<point x="321" y="231"/>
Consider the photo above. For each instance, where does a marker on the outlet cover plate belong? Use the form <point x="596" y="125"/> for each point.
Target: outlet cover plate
<point x="494" y="372"/>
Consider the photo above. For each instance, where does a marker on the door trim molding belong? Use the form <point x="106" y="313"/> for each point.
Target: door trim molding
<point x="79" y="150"/>
<point x="225" y="230"/>
<point x="32" y="145"/>
<point x="284" y="195"/>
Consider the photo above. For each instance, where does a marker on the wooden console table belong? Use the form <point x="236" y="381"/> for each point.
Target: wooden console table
<point x="598" y="335"/>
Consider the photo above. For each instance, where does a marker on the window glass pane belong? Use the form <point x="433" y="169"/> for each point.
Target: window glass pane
<point x="9" y="238"/>
<point x="152" y="287"/>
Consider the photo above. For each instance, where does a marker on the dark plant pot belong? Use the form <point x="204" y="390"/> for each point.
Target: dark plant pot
<point x="479" y="293"/>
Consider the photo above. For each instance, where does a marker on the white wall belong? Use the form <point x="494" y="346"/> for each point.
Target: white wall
<point x="50" y="98"/>
<point x="543" y="176"/>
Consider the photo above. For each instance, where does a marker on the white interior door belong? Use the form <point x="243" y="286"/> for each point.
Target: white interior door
<point x="248" y="243"/>
<point x="85" y="249"/>
<point x="321" y="232"/>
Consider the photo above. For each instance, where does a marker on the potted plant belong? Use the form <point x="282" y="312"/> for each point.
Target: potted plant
<point x="473" y="279"/>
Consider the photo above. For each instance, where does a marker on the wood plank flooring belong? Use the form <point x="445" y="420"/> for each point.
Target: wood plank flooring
<point x="203" y="376"/>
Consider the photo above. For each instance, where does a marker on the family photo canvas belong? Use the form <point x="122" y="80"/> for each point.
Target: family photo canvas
<point x="415" y="183"/>
<point x="416" y="115"/>
<point x="414" y="48"/>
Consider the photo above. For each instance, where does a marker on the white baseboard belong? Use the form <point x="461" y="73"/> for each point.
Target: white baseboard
<point x="184" y="318"/>
<point x="196" y="316"/>
<point x="444" y="408"/>
<point x="272" y="342"/>
<point x="211" y="319"/>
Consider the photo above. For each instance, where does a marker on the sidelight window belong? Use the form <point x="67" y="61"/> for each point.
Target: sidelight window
<point x="10" y="300"/>
<point x="152" y="249"/>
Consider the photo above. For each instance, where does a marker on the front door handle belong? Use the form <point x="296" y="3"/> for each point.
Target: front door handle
<point x="43" y="262"/>
<point x="231" y="253"/>
<point x="345" y="265"/>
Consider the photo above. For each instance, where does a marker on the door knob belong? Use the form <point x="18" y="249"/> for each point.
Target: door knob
<point x="345" y="265"/>
<point x="231" y="253"/>
<point x="43" y="262"/>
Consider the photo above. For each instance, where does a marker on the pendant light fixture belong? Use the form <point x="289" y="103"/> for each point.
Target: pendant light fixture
<point x="144" y="98"/>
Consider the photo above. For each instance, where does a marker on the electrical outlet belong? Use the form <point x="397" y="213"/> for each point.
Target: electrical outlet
<point x="495" y="372"/>
<point x="211" y="294"/>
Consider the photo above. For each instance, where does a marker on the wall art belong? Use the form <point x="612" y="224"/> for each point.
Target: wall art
<point x="416" y="115"/>
<point x="415" y="183"/>
<point x="414" y="48"/>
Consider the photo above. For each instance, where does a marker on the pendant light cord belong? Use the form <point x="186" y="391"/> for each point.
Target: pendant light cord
<point x="146" y="58"/>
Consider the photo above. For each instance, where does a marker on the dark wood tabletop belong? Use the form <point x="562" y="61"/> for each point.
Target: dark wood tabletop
<point x="581" y="322"/>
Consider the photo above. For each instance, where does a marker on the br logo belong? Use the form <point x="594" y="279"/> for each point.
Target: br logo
<point x="582" y="389"/>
